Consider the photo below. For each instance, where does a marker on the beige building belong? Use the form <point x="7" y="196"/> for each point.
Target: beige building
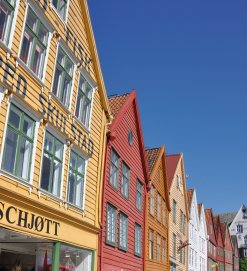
<point x="179" y="215"/>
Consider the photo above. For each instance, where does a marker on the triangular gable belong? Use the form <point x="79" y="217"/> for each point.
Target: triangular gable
<point x="238" y="216"/>
<point x="202" y="219"/>
<point x="129" y="100"/>
<point x="227" y="237"/>
<point x="95" y="57"/>
<point x="193" y="202"/>
<point x="155" y="157"/>
<point x="210" y="223"/>
<point x="219" y="233"/>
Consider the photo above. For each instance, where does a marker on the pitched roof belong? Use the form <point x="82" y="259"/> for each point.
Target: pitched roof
<point x="171" y="163"/>
<point x="199" y="205"/>
<point x="152" y="156"/>
<point x="116" y="102"/>
<point x="215" y="218"/>
<point x="190" y="193"/>
<point x="227" y="217"/>
<point x="223" y="228"/>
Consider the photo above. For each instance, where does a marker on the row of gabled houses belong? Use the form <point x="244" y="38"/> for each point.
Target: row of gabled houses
<point x="78" y="189"/>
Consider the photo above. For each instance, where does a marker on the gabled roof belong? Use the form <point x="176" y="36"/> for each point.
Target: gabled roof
<point x="172" y="161"/>
<point x="199" y="205"/>
<point x="120" y="104"/>
<point x="227" y="217"/>
<point x="223" y="228"/>
<point x="152" y="156"/>
<point x="190" y="193"/>
<point x="218" y="230"/>
<point x="210" y="220"/>
<point x="116" y="102"/>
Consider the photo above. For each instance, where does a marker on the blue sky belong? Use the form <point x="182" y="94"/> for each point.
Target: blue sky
<point x="188" y="62"/>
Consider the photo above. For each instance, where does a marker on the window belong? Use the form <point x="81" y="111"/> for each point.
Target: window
<point x="7" y="8"/>
<point x="239" y="228"/>
<point x="180" y="251"/>
<point x="245" y="239"/>
<point x="62" y="83"/>
<point x="245" y="253"/>
<point x="111" y="224"/>
<point x="163" y="212"/>
<point x="184" y="224"/>
<point x="151" y="244"/>
<point x="163" y="250"/>
<point x="138" y="240"/>
<point x="158" y="247"/>
<point x="61" y="7"/>
<point x="151" y="203"/>
<point x="158" y="207"/>
<point x="17" y="154"/>
<point x="174" y="245"/>
<point x="125" y="180"/>
<point x="76" y="179"/>
<point x="174" y="211"/>
<point x="123" y="231"/>
<point x="181" y="221"/>
<point x="114" y="169"/>
<point x="138" y="195"/>
<point x="34" y="43"/>
<point x="52" y="165"/>
<point x="84" y="101"/>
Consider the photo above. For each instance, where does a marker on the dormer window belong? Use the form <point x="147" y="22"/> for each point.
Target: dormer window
<point x="239" y="228"/>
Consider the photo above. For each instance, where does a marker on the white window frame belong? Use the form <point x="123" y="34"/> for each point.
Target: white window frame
<point x="37" y="10"/>
<point x="152" y="201"/>
<point x="126" y="237"/>
<point x="64" y="20"/>
<point x="17" y="102"/>
<point x="109" y="242"/>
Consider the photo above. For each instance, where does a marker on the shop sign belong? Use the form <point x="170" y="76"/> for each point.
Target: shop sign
<point x="15" y="216"/>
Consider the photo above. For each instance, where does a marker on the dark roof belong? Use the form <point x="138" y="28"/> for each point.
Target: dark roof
<point x="223" y="228"/>
<point x="227" y="217"/>
<point x="199" y="208"/>
<point x="171" y="165"/>
<point x="152" y="156"/>
<point x="116" y="103"/>
<point x="216" y="224"/>
<point x="189" y="197"/>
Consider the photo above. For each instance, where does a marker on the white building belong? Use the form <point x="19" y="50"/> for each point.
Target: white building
<point x="197" y="256"/>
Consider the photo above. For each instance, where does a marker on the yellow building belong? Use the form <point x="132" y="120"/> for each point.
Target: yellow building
<point x="53" y="116"/>
<point x="179" y="216"/>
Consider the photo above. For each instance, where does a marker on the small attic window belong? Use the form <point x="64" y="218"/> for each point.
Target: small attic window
<point x="130" y="138"/>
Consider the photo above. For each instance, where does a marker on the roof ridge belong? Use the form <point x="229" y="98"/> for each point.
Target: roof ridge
<point x="154" y="148"/>
<point x="174" y="154"/>
<point x="118" y="95"/>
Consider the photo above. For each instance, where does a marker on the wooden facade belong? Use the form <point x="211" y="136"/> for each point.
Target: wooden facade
<point x="228" y="248"/>
<point x="220" y="244"/>
<point x="157" y="213"/>
<point x="126" y="173"/>
<point x="179" y="215"/>
<point x="44" y="54"/>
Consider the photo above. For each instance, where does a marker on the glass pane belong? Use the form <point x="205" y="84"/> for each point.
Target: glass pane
<point x="58" y="149"/>
<point x="79" y="105"/>
<point x="57" y="82"/>
<point x="26" y="47"/>
<point x="65" y="91"/>
<point x="86" y="112"/>
<point x="10" y="151"/>
<point x="82" y="83"/>
<point x="15" y="117"/>
<point x="5" y="20"/>
<point x="62" y="10"/>
<point x="46" y="170"/>
<point x="79" y="191"/>
<point x="60" y="57"/>
<point x="43" y="34"/>
<point x="24" y="159"/>
<point x="69" y="67"/>
<point x="88" y="91"/>
<point x="28" y="125"/>
<point x="71" y="188"/>
<point x="81" y="165"/>
<point x="57" y="168"/>
<point x="49" y="142"/>
<point x="38" y="59"/>
<point x="32" y="20"/>
<point x="73" y="160"/>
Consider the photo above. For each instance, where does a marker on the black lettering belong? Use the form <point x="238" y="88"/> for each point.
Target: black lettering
<point x="9" y="71"/>
<point x="20" y="219"/>
<point x="84" y="142"/>
<point x="90" y="146"/>
<point x="39" y="223"/>
<point x="49" y="222"/>
<point x="73" y="129"/>
<point x="8" y="214"/>
<point x="68" y="36"/>
<point x="30" y="225"/>
<point x="18" y="87"/>
<point x="64" y="120"/>
<point x="50" y="111"/>
<point x="42" y="99"/>
<point x="56" y="227"/>
<point x="1" y="210"/>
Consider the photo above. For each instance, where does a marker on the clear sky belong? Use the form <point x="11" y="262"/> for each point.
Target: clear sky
<point x="187" y="59"/>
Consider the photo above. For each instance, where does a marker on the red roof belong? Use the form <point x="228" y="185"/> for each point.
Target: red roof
<point x="116" y="103"/>
<point x="171" y="165"/>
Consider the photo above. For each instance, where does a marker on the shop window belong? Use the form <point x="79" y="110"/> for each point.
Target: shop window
<point x="76" y="179"/>
<point x="75" y="259"/>
<point x="114" y="169"/>
<point x="34" y="43"/>
<point x="111" y="224"/>
<point x="138" y="195"/>
<point x="62" y="83"/>
<point x="52" y="165"/>
<point x="151" y="244"/>
<point x="84" y="101"/>
<point x="125" y="180"/>
<point x="138" y="240"/>
<point x="123" y="231"/>
<point x="7" y="8"/>
<point x="61" y="7"/>
<point x="151" y="201"/>
<point x="17" y="155"/>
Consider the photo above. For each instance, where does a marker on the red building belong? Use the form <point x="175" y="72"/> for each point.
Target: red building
<point x="235" y="253"/>
<point x="228" y="247"/>
<point x="220" y="244"/>
<point x="212" y="242"/>
<point x="124" y="191"/>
